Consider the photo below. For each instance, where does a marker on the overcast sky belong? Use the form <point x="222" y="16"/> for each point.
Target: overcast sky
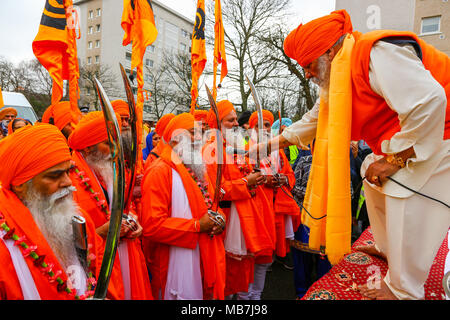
<point x="19" y="21"/>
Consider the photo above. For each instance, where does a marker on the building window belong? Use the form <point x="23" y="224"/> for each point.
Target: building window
<point x="97" y="43"/>
<point x="149" y="63"/>
<point x="99" y="12"/>
<point x="90" y="45"/>
<point x="97" y="28"/>
<point x="91" y="14"/>
<point x="150" y="48"/>
<point x="89" y="60"/>
<point x="97" y="59"/>
<point x="184" y="33"/>
<point x="182" y="47"/>
<point x="149" y="77"/>
<point x="431" y="25"/>
<point x="91" y="30"/>
<point x="128" y="56"/>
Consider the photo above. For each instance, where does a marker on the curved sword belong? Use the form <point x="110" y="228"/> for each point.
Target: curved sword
<point x="132" y="157"/>
<point x="217" y="190"/>
<point x="117" y="203"/>
<point x="260" y="120"/>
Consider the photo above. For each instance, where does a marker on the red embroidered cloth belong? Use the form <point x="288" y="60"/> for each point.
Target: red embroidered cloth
<point x="358" y="268"/>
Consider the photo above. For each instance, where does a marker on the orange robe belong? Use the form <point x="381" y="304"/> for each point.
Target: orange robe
<point x="16" y="216"/>
<point x="139" y="278"/>
<point x="162" y="231"/>
<point x="255" y="216"/>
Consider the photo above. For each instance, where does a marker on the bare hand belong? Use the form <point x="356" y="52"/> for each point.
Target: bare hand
<point x="379" y="171"/>
<point x="255" y="178"/>
<point x="135" y="229"/>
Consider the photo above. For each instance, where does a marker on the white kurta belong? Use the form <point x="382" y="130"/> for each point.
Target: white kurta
<point x="407" y="227"/>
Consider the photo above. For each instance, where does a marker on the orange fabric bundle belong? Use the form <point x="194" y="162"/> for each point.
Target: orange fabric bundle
<point x="267" y="115"/>
<point x="308" y="42"/>
<point x="90" y="131"/>
<point x="121" y="107"/>
<point x="224" y="107"/>
<point x="162" y="123"/>
<point x="61" y="113"/>
<point x="183" y="121"/>
<point x="30" y="151"/>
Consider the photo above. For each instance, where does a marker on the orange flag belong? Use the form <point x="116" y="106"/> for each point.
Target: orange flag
<point x="138" y="22"/>
<point x="54" y="47"/>
<point x="219" y="46"/>
<point x="1" y="99"/>
<point x="198" y="51"/>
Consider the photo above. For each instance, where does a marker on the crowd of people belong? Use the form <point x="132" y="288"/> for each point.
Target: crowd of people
<point x="187" y="236"/>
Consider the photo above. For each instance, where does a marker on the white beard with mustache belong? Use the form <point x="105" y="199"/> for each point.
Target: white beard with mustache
<point x="53" y="215"/>
<point x="190" y="154"/>
<point x="101" y="165"/>
<point x="323" y="78"/>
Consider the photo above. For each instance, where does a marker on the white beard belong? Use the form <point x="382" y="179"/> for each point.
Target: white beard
<point x="190" y="154"/>
<point x="323" y="79"/>
<point x="53" y="215"/>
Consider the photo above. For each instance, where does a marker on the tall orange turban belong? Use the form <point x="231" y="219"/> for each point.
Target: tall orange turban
<point x="184" y="121"/>
<point x="60" y="114"/>
<point x="267" y="115"/>
<point x="308" y="42"/>
<point x="30" y="151"/>
<point x="90" y="131"/>
<point x="200" y="115"/>
<point x="162" y="123"/>
<point x="121" y="107"/>
<point x="224" y="107"/>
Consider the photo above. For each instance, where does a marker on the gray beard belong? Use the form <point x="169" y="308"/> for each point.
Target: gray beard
<point x="323" y="80"/>
<point x="101" y="165"/>
<point x="126" y="143"/>
<point x="190" y="154"/>
<point x="235" y="137"/>
<point x="53" y="215"/>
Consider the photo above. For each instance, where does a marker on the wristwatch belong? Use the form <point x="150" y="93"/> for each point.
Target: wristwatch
<point x="396" y="160"/>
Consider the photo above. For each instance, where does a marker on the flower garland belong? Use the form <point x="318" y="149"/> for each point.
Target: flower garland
<point x="29" y="250"/>
<point x="94" y="195"/>
<point x="203" y="188"/>
<point x="245" y="169"/>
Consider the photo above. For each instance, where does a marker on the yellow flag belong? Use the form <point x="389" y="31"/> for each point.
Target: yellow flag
<point x="198" y="51"/>
<point x="219" y="46"/>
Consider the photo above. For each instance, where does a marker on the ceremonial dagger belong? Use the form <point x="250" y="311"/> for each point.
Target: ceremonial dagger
<point x="132" y="156"/>
<point x="260" y="118"/>
<point x="218" y="190"/>
<point x="117" y="202"/>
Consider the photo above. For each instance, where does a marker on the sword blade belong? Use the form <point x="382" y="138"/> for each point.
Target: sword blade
<point x="219" y="149"/>
<point x="132" y="157"/>
<point x="117" y="203"/>
<point x="259" y="110"/>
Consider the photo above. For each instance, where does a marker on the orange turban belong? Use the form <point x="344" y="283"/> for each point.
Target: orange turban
<point x="267" y="115"/>
<point x="200" y="115"/>
<point x="6" y="110"/>
<point x="308" y="42"/>
<point x="10" y="124"/>
<point x="182" y="121"/>
<point x="61" y="113"/>
<point x="90" y="131"/>
<point x="162" y="123"/>
<point x="30" y="151"/>
<point x="121" y="107"/>
<point x="224" y="107"/>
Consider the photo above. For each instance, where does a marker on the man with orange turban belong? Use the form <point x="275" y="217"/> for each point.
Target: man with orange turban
<point x="61" y="115"/>
<point x="278" y="175"/>
<point x="200" y="116"/>
<point x="37" y="250"/>
<point x="159" y="130"/>
<point x="391" y="89"/>
<point x="92" y="175"/>
<point x="6" y="116"/>
<point x="250" y="227"/>
<point x="183" y="246"/>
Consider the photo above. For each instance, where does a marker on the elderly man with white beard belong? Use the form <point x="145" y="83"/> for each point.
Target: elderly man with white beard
<point x="182" y="243"/>
<point x="37" y="249"/>
<point x="92" y="175"/>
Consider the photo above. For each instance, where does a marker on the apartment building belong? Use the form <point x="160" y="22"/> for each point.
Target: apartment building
<point x="102" y="34"/>
<point x="429" y="19"/>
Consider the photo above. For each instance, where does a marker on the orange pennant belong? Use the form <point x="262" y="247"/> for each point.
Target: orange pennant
<point x="219" y="46"/>
<point x="198" y="51"/>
